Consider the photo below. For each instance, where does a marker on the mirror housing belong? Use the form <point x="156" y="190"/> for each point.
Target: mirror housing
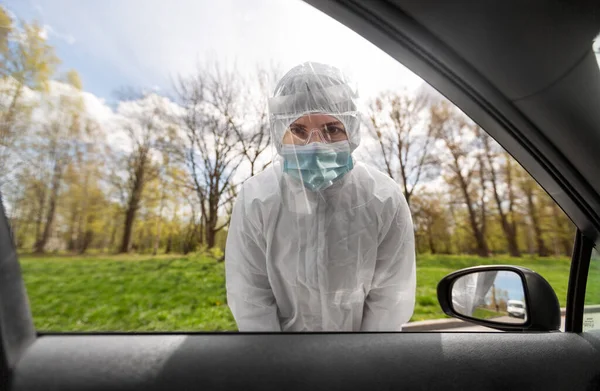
<point x="543" y="309"/>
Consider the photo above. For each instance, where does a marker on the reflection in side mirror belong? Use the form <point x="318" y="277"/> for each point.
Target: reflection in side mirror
<point x="503" y="297"/>
<point x="497" y="296"/>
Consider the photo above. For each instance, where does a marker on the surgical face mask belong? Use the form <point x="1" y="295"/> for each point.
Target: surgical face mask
<point x="317" y="165"/>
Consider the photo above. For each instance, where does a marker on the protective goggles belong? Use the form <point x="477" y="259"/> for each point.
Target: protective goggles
<point x="327" y="133"/>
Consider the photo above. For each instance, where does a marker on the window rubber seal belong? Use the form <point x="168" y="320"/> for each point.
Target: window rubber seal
<point x="580" y="263"/>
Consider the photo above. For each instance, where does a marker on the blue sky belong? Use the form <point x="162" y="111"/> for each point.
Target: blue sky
<point x="510" y="282"/>
<point x="144" y="43"/>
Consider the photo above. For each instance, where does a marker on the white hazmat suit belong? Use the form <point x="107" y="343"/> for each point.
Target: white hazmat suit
<point x="470" y="291"/>
<point x="339" y="258"/>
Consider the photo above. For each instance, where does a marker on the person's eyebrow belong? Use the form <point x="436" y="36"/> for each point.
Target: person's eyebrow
<point x="332" y="123"/>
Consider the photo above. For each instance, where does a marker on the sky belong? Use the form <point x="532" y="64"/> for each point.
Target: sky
<point x="145" y="43"/>
<point x="511" y="282"/>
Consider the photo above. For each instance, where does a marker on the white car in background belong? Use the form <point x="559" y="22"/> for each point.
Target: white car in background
<point x="515" y="308"/>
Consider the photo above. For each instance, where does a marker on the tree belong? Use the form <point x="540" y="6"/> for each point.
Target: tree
<point x="145" y="131"/>
<point x="166" y="193"/>
<point x="462" y="167"/>
<point x="506" y="197"/>
<point x="210" y="145"/>
<point x="27" y="62"/>
<point x="57" y="140"/>
<point x="248" y="117"/>
<point x="564" y="229"/>
<point x="432" y="223"/>
<point x="405" y="137"/>
<point x="531" y="192"/>
<point x="86" y="206"/>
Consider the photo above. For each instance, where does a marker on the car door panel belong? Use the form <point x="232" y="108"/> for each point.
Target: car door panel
<point x="420" y="361"/>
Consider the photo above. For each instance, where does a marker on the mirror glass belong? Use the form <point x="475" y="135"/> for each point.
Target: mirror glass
<point x="496" y="296"/>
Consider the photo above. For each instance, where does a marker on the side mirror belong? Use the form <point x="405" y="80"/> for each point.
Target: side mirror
<point x="507" y="298"/>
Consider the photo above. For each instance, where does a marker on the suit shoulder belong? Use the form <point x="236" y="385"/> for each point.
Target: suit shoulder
<point x="262" y="185"/>
<point x="381" y="185"/>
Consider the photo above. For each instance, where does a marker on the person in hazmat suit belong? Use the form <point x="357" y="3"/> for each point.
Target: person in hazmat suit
<point x="471" y="290"/>
<point x="319" y="241"/>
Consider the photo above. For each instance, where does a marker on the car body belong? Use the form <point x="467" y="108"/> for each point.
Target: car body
<point x="515" y="308"/>
<point x="526" y="73"/>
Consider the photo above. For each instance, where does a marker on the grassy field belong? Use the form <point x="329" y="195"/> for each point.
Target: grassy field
<point x="175" y="293"/>
<point x="484" y="313"/>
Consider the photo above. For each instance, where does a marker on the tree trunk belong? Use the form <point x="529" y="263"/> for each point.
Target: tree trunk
<point x="535" y="222"/>
<point x="71" y="244"/>
<point x="130" y="213"/>
<point x="567" y="247"/>
<point x="210" y="237"/>
<point x="26" y="229"/>
<point x="158" y="223"/>
<point x="133" y="204"/>
<point x="87" y="240"/>
<point x="210" y="229"/>
<point x="511" y="237"/>
<point x="509" y="229"/>
<point x="483" y="214"/>
<point x="40" y="215"/>
<point x="201" y="238"/>
<point x="56" y="177"/>
<point x="82" y="230"/>
<point x="127" y="228"/>
<point x="8" y="118"/>
<point x="481" y="244"/>
<point x="113" y="235"/>
<point x="431" y="241"/>
<point x="252" y="163"/>
<point x="169" y="244"/>
<point x="156" y="239"/>
<point x="565" y="242"/>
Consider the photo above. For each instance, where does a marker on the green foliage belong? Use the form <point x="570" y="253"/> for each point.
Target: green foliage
<point x="28" y="60"/>
<point x="6" y="27"/>
<point x="592" y="290"/>
<point x="216" y="253"/>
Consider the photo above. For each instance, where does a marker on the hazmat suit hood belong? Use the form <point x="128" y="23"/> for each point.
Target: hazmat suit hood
<point x="312" y="87"/>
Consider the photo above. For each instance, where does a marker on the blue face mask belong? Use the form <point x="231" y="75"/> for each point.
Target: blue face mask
<point x="317" y="165"/>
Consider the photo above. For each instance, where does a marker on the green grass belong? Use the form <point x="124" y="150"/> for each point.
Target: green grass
<point x="432" y="268"/>
<point x="176" y="293"/>
<point x="484" y="313"/>
<point x="127" y="293"/>
<point x="592" y="293"/>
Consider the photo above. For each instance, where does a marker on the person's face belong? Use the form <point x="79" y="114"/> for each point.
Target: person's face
<point x="315" y="128"/>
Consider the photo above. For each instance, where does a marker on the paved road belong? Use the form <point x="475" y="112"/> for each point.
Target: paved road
<point x="472" y="328"/>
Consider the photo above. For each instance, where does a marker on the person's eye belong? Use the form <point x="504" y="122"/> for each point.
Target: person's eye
<point x="334" y="130"/>
<point x="298" y="131"/>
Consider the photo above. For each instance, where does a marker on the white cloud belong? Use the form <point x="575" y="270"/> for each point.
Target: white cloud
<point x="50" y="32"/>
<point x="151" y="40"/>
<point x="44" y="32"/>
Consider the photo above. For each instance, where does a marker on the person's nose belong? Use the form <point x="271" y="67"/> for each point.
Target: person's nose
<point x="315" y="136"/>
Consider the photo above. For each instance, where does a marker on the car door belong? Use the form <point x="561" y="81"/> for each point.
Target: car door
<point x="531" y="103"/>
